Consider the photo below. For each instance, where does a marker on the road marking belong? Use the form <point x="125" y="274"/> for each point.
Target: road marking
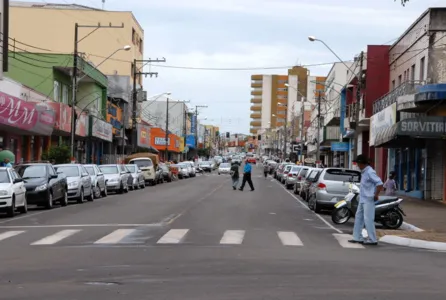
<point x="115" y="237"/>
<point x="232" y="237"/>
<point x="343" y="241"/>
<point x="306" y="207"/>
<point x="173" y="236"/>
<point x="8" y="234"/>
<point x="57" y="237"/>
<point x="84" y="225"/>
<point x="289" y="238"/>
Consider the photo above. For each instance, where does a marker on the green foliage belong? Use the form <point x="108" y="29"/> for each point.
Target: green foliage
<point x="58" y="154"/>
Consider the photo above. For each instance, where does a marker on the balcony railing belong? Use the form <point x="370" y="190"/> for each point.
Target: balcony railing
<point x="408" y="87"/>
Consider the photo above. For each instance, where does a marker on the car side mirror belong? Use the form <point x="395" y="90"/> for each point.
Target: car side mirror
<point x="100" y="174"/>
<point x="123" y="172"/>
<point x="139" y="171"/>
<point x="85" y="175"/>
<point x="54" y="176"/>
<point x="59" y="172"/>
<point x="17" y="180"/>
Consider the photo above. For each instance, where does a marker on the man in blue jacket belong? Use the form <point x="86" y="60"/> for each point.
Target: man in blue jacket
<point x="247" y="176"/>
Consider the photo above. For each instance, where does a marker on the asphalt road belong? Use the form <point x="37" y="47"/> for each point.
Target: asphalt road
<point x="198" y="239"/>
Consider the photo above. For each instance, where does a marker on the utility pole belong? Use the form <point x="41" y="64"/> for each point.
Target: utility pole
<point x="136" y="73"/>
<point x="196" y="125"/>
<point x="167" y="130"/>
<point x="302" y="124"/>
<point x="358" y="98"/>
<point x="285" y="132"/>
<point x="318" y="149"/>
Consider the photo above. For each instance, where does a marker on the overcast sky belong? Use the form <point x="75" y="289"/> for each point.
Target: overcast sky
<point x="253" y="34"/>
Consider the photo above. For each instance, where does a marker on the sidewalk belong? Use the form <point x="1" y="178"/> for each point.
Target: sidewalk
<point x="425" y="214"/>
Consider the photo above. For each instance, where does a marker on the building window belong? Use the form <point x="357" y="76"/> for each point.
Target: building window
<point x="56" y="91"/>
<point x="422" y="62"/>
<point x="404" y="77"/>
<point x="132" y="69"/>
<point x="133" y="36"/>
<point x="412" y="73"/>
<point x="64" y="94"/>
<point x="399" y="80"/>
<point x="393" y="84"/>
<point x="140" y="45"/>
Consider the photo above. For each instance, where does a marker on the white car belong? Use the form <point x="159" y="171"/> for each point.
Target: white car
<point x="224" y="168"/>
<point x="12" y="192"/>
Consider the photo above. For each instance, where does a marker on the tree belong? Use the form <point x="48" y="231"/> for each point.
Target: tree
<point x="403" y="2"/>
<point x="58" y="155"/>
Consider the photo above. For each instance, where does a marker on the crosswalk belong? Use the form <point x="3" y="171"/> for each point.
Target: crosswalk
<point x="166" y="237"/>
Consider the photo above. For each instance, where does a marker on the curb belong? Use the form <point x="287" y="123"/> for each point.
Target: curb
<point x="413" y="243"/>
<point x="409" y="227"/>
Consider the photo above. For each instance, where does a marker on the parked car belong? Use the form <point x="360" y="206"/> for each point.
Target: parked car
<point x="300" y="181"/>
<point x="191" y="168"/>
<point x="165" y="172"/>
<point x="224" y="168"/>
<point x="97" y="181"/>
<point x="291" y="177"/>
<point x="116" y="178"/>
<point x="44" y="186"/>
<point x="251" y="159"/>
<point x="79" y="182"/>
<point x="184" y="171"/>
<point x="282" y="176"/>
<point x="136" y="176"/>
<point x="206" y="166"/>
<point x="331" y="185"/>
<point x="146" y="165"/>
<point x="12" y="192"/>
<point x="310" y="179"/>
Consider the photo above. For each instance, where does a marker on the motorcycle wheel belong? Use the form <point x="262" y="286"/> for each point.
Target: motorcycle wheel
<point x="341" y="215"/>
<point x="393" y="220"/>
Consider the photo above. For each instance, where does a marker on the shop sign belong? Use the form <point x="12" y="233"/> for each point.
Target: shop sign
<point x="339" y="146"/>
<point x="177" y="143"/>
<point x="381" y="121"/>
<point x="114" y="117"/>
<point x="101" y="129"/>
<point x="143" y="136"/>
<point x="160" y="141"/>
<point x="29" y="116"/>
<point x="193" y="124"/>
<point x="81" y="123"/>
<point x="62" y="115"/>
<point x="428" y="126"/>
<point x="190" y="141"/>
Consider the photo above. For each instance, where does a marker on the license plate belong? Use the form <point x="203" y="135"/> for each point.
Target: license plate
<point x="340" y="203"/>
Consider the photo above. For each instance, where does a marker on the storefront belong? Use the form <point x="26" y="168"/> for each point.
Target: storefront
<point x="100" y="137"/>
<point x="81" y="135"/>
<point x="158" y="141"/>
<point x="115" y="118"/>
<point x="23" y="126"/>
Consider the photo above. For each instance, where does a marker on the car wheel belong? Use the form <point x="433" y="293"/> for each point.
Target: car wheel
<point x="11" y="210"/>
<point x="317" y="209"/>
<point x="104" y="192"/>
<point x="121" y="189"/>
<point x="311" y="202"/>
<point x="24" y="209"/>
<point x="64" y="201"/>
<point x="126" y="190"/>
<point x="49" y="203"/>
<point x="91" y="197"/>
<point x="97" y="191"/>
<point x="81" y="196"/>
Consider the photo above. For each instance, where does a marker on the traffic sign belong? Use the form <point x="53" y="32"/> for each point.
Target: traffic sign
<point x="297" y="148"/>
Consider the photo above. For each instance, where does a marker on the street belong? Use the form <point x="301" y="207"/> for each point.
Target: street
<point x="199" y="239"/>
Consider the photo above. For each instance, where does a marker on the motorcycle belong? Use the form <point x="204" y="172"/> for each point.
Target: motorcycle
<point x="387" y="209"/>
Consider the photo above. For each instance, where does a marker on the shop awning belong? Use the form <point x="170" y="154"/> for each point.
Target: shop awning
<point x="413" y="130"/>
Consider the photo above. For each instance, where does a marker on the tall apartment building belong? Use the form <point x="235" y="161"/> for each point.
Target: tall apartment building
<point x="270" y="98"/>
<point x="52" y="30"/>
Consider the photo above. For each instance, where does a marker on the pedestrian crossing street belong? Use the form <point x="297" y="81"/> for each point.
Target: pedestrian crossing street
<point x="159" y="237"/>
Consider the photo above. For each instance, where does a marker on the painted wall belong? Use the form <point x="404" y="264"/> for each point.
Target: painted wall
<point x="58" y="25"/>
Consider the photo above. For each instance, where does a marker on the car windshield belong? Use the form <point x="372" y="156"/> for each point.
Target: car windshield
<point x="90" y="170"/>
<point x="4" y="177"/>
<point x="303" y="173"/>
<point x="109" y="169"/>
<point x="132" y="168"/>
<point x="225" y="165"/>
<point x="342" y="175"/>
<point x="205" y="163"/>
<point x="31" y="171"/>
<point x="142" y="163"/>
<point x="69" y="171"/>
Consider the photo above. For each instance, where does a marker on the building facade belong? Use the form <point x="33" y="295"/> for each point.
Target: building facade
<point x="414" y="132"/>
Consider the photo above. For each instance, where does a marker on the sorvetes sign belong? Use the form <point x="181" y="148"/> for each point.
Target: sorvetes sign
<point x="424" y="126"/>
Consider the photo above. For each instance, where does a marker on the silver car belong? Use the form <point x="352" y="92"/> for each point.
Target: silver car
<point x="97" y="181"/>
<point x="116" y="178"/>
<point x="331" y="185"/>
<point x="292" y="175"/>
<point x="183" y="170"/>
<point x="78" y="180"/>
<point x="284" y="174"/>
<point x="192" y="171"/>
<point x="137" y="177"/>
<point x="224" y="168"/>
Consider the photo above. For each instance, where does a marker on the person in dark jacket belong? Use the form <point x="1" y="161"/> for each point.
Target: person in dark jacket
<point x="235" y="175"/>
<point x="247" y="176"/>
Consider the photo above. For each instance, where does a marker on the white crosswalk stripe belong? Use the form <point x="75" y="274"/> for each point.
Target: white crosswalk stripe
<point x="115" y="237"/>
<point x="8" y="234"/>
<point x="57" y="237"/>
<point x="232" y="237"/>
<point x="289" y="238"/>
<point x="173" y="236"/>
<point x="343" y="241"/>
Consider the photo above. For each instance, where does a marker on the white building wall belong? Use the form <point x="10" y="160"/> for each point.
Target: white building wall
<point x="311" y="89"/>
<point x="266" y="101"/>
<point x="294" y="106"/>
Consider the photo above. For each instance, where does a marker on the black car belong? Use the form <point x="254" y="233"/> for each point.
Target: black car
<point x="166" y="173"/>
<point x="43" y="185"/>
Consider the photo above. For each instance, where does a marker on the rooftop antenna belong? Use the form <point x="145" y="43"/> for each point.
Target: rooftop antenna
<point x="103" y="4"/>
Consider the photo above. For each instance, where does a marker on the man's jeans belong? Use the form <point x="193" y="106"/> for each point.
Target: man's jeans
<point x="235" y="182"/>
<point x="365" y="215"/>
